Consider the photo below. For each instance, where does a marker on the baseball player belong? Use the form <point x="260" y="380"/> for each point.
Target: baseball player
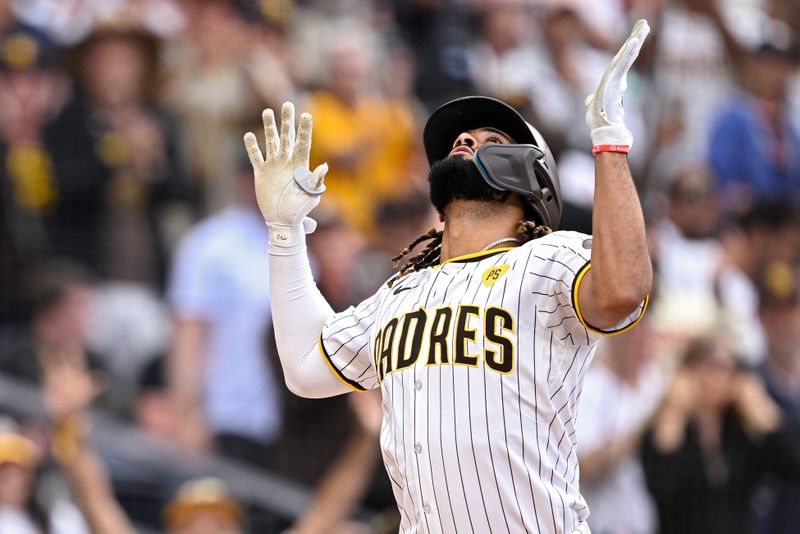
<point x="480" y="342"/>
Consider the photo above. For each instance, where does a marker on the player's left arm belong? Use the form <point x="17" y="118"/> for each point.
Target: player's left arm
<point x="621" y="274"/>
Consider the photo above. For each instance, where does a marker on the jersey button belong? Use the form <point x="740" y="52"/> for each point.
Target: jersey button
<point x="418" y="447"/>
<point x="418" y="385"/>
<point x="427" y="508"/>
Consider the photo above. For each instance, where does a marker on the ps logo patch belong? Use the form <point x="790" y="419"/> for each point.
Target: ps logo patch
<point x="493" y="274"/>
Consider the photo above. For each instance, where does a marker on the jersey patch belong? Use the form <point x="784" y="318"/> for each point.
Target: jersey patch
<point x="493" y="274"/>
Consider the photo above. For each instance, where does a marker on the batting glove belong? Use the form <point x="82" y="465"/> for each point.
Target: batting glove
<point x="285" y="187"/>
<point x="604" y="113"/>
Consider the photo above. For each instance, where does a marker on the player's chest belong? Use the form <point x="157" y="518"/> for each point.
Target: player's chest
<point x="461" y="315"/>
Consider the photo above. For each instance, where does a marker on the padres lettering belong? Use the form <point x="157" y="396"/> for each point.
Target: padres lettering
<point x="399" y="343"/>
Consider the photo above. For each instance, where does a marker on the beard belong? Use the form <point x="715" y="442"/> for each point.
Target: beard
<point x="456" y="178"/>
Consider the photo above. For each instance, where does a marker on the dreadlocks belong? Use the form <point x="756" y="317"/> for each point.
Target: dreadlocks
<point x="429" y="256"/>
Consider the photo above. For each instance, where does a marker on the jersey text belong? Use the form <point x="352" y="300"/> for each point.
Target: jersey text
<point x="452" y="337"/>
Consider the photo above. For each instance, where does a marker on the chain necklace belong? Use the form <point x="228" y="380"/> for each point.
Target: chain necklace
<point x="501" y="240"/>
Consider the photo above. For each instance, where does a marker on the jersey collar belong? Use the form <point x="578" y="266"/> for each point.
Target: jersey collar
<point x="476" y="256"/>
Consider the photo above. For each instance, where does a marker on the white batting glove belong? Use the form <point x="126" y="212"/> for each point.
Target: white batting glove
<point x="285" y="187"/>
<point x="604" y="113"/>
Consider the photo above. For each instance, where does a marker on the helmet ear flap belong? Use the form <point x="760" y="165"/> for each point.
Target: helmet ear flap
<point x="522" y="169"/>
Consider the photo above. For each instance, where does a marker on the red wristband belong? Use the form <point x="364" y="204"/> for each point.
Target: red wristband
<point x="624" y="149"/>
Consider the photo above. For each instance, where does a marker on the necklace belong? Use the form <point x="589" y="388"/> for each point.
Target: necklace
<point x="502" y="240"/>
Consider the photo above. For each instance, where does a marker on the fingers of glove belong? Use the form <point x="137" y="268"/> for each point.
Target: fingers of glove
<point x="270" y="133"/>
<point x="253" y="152"/>
<point x="595" y="102"/>
<point x="628" y="53"/>
<point x="615" y="80"/>
<point x="618" y="81"/>
<point x="318" y="176"/>
<point x="640" y="30"/>
<point x="302" y="151"/>
<point x="637" y="36"/>
<point x="287" y="130"/>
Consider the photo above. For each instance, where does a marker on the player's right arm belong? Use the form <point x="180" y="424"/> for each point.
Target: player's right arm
<point x="287" y="191"/>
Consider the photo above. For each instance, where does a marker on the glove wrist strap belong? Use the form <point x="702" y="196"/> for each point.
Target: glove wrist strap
<point x="623" y="149"/>
<point x="281" y="235"/>
<point x="614" y="137"/>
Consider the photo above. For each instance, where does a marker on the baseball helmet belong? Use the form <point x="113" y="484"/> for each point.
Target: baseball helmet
<point x="527" y="167"/>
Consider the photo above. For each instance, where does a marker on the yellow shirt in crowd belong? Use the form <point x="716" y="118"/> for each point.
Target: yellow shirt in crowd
<point x="368" y="149"/>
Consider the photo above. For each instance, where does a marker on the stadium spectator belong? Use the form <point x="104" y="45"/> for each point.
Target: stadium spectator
<point x="755" y="148"/>
<point x="693" y="71"/>
<point x="347" y="482"/>
<point x="59" y="293"/>
<point x="152" y="408"/>
<point x="621" y="392"/>
<point x="438" y="33"/>
<point x="200" y="506"/>
<point x="768" y="231"/>
<point x="21" y="511"/>
<point x="204" y="506"/>
<point x="366" y="139"/>
<point x="207" y="89"/>
<point x="70" y="21"/>
<point x="780" y="314"/>
<point x="36" y="216"/>
<point x="220" y="376"/>
<point x="504" y="62"/>
<point x="268" y="66"/>
<point x="6" y="17"/>
<point x="135" y="141"/>
<point x="715" y="437"/>
<point x="701" y="287"/>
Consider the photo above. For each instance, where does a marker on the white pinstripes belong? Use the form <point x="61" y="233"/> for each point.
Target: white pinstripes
<point x="469" y="449"/>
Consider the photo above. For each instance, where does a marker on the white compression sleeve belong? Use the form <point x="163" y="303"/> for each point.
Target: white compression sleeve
<point x="298" y="313"/>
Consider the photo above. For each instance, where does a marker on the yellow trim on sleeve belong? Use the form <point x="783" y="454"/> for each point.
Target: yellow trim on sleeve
<point x="576" y="287"/>
<point x="349" y="383"/>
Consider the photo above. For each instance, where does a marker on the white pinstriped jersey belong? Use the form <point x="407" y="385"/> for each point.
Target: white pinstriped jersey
<point x="480" y="362"/>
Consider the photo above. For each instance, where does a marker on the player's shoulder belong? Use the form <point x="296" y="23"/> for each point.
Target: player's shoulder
<point x="394" y="284"/>
<point x="563" y="241"/>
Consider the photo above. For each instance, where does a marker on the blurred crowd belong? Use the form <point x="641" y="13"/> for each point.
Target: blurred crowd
<point x="133" y="258"/>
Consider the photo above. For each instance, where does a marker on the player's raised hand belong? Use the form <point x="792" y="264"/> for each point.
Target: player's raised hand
<point x="285" y="187"/>
<point x="604" y="113"/>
